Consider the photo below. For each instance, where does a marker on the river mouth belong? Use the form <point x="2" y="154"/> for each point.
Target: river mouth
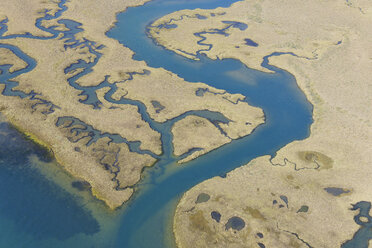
<point x="146" y="220"/>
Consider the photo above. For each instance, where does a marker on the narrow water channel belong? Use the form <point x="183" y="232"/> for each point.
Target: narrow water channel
<point x="145" y="221"/>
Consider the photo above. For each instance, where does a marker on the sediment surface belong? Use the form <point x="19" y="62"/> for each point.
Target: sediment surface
<point x="102" y="114"/>
<point x="307" y="194"/>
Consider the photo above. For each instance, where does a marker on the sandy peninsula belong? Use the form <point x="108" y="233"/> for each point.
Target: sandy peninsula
<point x="162" y="106"/>
<point x="9" y="58"/>
<point x="196" y="132"/>
<point x="104" y="143"/>
<point x="22" y="15"/>
<point x="303" y="196"/>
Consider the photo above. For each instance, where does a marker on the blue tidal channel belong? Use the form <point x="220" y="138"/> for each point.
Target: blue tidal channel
<point x="147" y="218"/>
<point x="48" y="216"/>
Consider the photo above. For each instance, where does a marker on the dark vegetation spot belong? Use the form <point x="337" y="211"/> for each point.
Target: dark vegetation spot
<point x="216" y="216"/>
<point x="260" y="235"/>
<point x="281" y="206"/>
<point x="190" y="210"/>
<point x="202" y="197"/>
<point x="312" y="156"/>
<point x="285" y="199"/>
<point x="198" y="222"/>
<point x="237" y="46"/>
<point x="275" y="202"/>
<point x="199" y="123"/>
<point x="213" y="14"/>
<point x="235" y="223"/>
<point x="81" y="185"/>
<point x="336" y="191"/>
<point x="290" y="177"/>
<point x="255" y="213"/>
<point x="303" y="209"/>
<point x="77" y="149"/>
<point x="158" y="107"/>
<point x="138" y="126"/>
<point x="339" y="42"/>
<point x="261" y="245"/>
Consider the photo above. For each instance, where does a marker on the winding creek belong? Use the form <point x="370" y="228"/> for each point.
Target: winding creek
<point x="288" y="117"/>
<point x="146" y="220"/>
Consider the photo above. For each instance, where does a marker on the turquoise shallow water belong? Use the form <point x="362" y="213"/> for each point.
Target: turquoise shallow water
<point x="39" y="208"/>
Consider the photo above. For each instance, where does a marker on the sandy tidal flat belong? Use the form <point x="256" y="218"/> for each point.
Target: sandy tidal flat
<point x="302" y="196"/>
<point x="59" y="97"/>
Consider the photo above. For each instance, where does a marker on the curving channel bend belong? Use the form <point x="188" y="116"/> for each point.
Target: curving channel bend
<point x="147" y="218"/>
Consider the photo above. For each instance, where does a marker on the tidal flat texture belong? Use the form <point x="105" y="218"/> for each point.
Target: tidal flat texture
<point x="80" y="94"/>
<point x="313" y="192"/>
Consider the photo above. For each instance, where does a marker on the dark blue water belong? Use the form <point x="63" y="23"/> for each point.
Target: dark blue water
<point x="33" y="209"/>
<point x="49" y="213"/>
<point x="250" y="42"/>
<point x="364" y="234"/>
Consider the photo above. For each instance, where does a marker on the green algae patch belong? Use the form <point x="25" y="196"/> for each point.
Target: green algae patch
<point x="255" y="213"/>
<point x="324" y="161"/>
<point x="303" y="209"/>
<point x="294" y="243"/>
<point x="202" y="197"/>
<point x="198" y="222"/>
